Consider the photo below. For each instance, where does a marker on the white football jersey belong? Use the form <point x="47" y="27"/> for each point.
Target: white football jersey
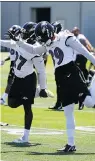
<point x="80" y="37"/>
<point x="12" y="54"/>
<point x="24" y="62"/>
<point x="61" y="54"/>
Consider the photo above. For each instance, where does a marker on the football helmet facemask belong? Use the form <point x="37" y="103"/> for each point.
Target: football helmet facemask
<point x="44" y="33"/>
<point x="57" y="27"/>
<point x="28" y="33"/>
<point x="15" y="30"/>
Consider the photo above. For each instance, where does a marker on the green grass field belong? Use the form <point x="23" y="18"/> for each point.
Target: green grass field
<point x="48" y="130"/>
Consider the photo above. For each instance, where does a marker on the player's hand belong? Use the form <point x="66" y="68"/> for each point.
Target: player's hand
<point x="12" y="36"/>
<point x="43" y="93"/>
<point x="46" y="93"/>
<point x="2" y="62"/>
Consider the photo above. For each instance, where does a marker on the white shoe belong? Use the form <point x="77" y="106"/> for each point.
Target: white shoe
<point x="20" y="140"/>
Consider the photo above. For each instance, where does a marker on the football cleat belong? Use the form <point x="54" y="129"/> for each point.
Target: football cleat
<point x="3" y="124"/>
<point x="20" y="140"/>
<point x="56" y="107"/>
<point x="67" y="148"/>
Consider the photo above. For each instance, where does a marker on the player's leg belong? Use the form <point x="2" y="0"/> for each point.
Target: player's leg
<point x="68" y="95"/>
<point x="70" y="128"/>
<point x="28" y="92"/>
<point x="86" y="99"/>
<point x="92" y="89"/>
<point x="3" y="99"/>
<point x="9" y="82"/>
<point x="14" y="96"/>
<point x="28" y="117"/>
<point x="28" y="89"/>
<point x="88" y="95"/>
<point x="5" y="95"/>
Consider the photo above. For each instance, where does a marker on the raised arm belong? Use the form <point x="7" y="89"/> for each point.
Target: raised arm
<point x="86" y="43"/>
<point x="7" y="43"/>
<point x="75" y="44"/>
<point x="31" y="48"/>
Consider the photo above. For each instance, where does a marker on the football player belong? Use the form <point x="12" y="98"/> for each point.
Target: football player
<point x="81" y="61"/>
<point x="92" y="88"/>
<point x="23" y="87"/>
<point x="15" y="29"/>
<point x="58" y="105"/>
<point x="61" y="48"/>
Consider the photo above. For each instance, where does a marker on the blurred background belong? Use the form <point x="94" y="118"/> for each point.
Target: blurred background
<point x="81" y="14"/>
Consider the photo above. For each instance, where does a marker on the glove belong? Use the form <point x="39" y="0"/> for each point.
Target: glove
<point x="46" y="93"/>
<point x="43" y="93"/>
<point x="12" y="36"/>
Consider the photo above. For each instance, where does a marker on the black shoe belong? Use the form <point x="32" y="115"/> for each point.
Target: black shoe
<point x="56" y="107"/>
<point x="67" y="148"/>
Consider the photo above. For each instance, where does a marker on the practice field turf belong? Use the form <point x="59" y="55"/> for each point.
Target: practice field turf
<point x="48" y="130"/>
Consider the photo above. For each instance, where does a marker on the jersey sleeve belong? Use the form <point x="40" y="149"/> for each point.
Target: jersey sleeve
<point x="7" y="43"/>
<point x="40" y="68"/>
<point x="67" y="34"/>
<point x="31" y="48"/>
<point x="75" y="44"/>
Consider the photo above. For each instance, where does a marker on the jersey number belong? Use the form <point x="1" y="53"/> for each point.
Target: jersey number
<point x="22" y="61"/>
<point x="12" y="51"/>
<point x="58" y="54"/>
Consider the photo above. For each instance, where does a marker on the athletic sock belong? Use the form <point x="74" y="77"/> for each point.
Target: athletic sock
<point x="26" y="134"/>
<point x="70" y="123"/>
<point x="70" y="134"/>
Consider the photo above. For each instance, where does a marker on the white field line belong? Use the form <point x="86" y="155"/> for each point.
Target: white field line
<point x="77" y="128"/>
<point x="46" y="131"/>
